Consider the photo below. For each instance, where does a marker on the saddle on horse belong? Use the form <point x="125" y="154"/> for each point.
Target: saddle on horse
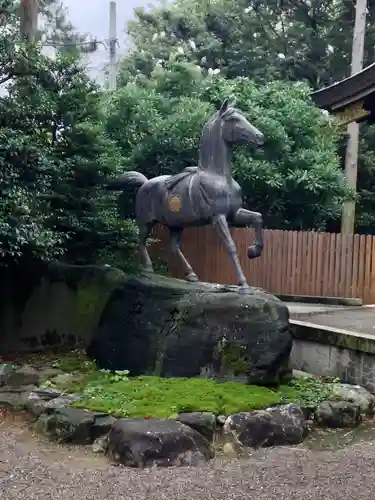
<point x="174" y="180"/>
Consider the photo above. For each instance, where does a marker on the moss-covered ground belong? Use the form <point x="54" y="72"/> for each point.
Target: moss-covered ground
<point x="144" y="397"/>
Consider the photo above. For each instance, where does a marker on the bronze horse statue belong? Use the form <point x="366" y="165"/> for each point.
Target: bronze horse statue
<point x="202" y="195"/>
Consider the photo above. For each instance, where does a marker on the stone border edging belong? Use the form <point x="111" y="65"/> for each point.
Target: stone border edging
<point x="333" y="310"/>
<point x="356" y="341"/>
<point x="184" y="439"/>
<point x="320" y="299"/>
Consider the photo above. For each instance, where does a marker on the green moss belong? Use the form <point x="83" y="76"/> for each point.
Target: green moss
<point x="156" y="397"/>
<point x="151" y="396"/>
<point x="233" y="358"/>
<point x="91" y="297"/>
<point x="271" y="309"/>
<point x="89" y="302"/>
<point x="74" y="361"/>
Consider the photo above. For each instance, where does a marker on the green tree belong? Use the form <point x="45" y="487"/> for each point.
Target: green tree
<point x="55" y="158"/>
<point x="262" y="40"/>
<point x="365" y="207"/>
<point x="296" y="181"/>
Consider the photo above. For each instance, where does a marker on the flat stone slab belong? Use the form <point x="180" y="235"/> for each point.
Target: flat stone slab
<point x="359" y="319"/>
<point x="297" y="308"/>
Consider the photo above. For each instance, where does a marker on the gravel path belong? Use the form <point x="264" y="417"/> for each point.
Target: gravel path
<point x="32" y="468"/>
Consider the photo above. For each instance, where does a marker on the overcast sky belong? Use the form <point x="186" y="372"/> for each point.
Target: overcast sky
<point x="92" y="16"/>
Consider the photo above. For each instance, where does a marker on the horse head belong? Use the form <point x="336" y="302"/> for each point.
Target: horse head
<point x="235" y="128"/>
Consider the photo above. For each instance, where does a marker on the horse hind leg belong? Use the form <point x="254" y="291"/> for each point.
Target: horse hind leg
<point x="144" y="233"/>
<point x="175" y="246"/>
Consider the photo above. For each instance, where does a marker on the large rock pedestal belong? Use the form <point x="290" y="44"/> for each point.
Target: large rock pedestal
<point x="168" y="327"/>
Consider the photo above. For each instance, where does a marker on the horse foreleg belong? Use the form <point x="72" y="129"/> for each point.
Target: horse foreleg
<point x="144" y="233"/>
<point x="175" y="245"/>
<point x="221" y="225"/>
<point x="245" y="218"/>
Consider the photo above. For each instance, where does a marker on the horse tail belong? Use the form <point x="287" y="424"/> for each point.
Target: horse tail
<point x="131" y="179"/>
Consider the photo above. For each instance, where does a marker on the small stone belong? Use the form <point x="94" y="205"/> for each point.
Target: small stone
<point x="61" y="402"/>
<point x="221" y="419"/>
<point x="35" y="404"/>
<point x="161" y="442"/>
<point x="338" y="414"/>
<point x="275" y="426"/>
<point x="354" y="394"/>
<point x="100" y="445"/>
<point x="47" y="393"/>
<point x="5" y="371"/>
<point x="102" y="425"/>
<point x="15" y="400"/>
<point x="15" y="397"/>
<point x="202" y="422"/>
<point x="25" y="375"/>
<point x="49" y="373"/>
<point x="17" y="390"/>
<point x="68" y="425"/>
<point x="46" y="400"/>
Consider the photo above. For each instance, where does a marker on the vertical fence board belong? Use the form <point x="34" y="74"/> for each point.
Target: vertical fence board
<point x="326" y="264"/>
<point x="372" y="289"/>
<point x="337" y="277"/>
<point x="283" y="260"/>
<point x="332" y="260"/>
<point x="276" y="276"/>
<point x="294" y="260"/>
<point x="367" y="278"/>
<point x="307" y="263"/>
<point x="343" y="264"/>
<point x="314" y="264"/>
<point x="289" y="264"/>
<point x="361" y="265"/>
<point x="309" y="287"/>
<point x="320" y="264"/>
<point x="349" y="265"/>
<point x="299" y="261"/>
<point x="356" y="256"/>
<point x="268" y="255"/>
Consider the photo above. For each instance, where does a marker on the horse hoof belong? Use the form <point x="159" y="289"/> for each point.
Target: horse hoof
<point x="243" y="287"/>
<point x="192" y="278"/>
<point x="254" y="252"/>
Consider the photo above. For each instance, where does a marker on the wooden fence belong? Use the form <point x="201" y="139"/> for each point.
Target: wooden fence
<point x="292" y="263"/>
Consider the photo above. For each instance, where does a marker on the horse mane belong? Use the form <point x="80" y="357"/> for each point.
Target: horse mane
<point x="210" y="137"/>
<point x="207" y="142"/>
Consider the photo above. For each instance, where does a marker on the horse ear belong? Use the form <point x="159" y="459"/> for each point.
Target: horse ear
<point x="224" y="106"/>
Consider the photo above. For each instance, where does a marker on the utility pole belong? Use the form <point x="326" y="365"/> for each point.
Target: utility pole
<point x="351" y="159"/>
<point x="29" y="10"/>
<point x="112" y="75"/>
